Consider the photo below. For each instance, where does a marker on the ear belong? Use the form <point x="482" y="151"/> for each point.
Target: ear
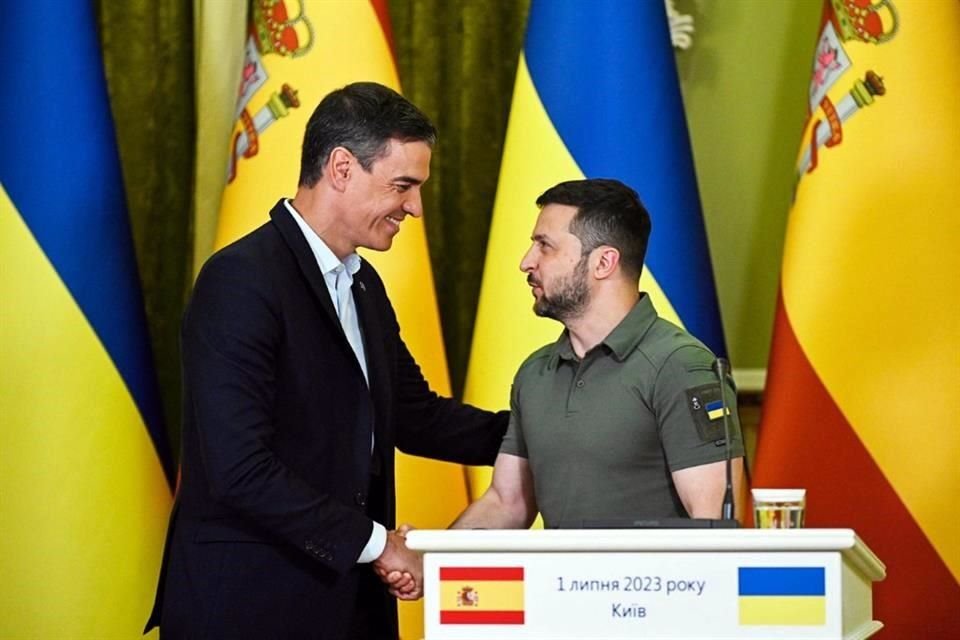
<point x="339" y="167"/>
<point x="608" y="260"/>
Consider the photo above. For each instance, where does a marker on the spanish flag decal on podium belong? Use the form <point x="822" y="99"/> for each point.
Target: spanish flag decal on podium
<point x="481" y="595"/>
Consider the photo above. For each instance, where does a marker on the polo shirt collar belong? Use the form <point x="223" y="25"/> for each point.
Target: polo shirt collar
<point x="326" y="259"/>
<point x="561" y="349"/>
<point x="622" y="340"/>
<point x="627" y="335"/>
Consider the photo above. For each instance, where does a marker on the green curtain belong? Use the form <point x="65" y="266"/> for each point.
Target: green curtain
<point x="458" y="62"/>
<point x="148" y="58"/>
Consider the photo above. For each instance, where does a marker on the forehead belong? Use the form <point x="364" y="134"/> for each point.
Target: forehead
<point x="410" y="159"/>
<point x="554" y="220"/>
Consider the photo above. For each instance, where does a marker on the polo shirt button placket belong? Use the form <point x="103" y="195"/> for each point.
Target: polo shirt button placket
<point x="573" y="397"/>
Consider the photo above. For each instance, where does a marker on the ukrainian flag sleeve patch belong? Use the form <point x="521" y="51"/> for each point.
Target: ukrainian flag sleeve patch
<point x="782" y="596"/>
<point x="706" y="409"/>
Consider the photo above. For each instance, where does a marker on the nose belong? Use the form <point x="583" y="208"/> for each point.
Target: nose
<point x="413" y="205"/>
<point x="528" y="263"/>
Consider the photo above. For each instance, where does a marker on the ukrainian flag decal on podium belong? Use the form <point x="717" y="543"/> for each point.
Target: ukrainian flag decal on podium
<point x="782" y="596"/>
<point x="481" y="595"/>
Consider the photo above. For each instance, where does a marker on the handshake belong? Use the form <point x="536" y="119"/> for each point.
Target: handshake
<point x="400" y="568"/>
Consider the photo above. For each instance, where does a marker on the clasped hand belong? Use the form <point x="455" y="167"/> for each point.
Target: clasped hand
<point x="400" y="568"/>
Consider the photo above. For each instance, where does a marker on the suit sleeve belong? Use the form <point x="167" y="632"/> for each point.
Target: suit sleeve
<point x="231" y="334"/>
<point x="442" y="428"/>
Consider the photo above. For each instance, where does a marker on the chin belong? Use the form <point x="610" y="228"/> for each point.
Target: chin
<point x="381" y="244"/>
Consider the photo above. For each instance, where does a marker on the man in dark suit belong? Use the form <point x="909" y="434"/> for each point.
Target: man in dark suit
<point x="297" y="388"/>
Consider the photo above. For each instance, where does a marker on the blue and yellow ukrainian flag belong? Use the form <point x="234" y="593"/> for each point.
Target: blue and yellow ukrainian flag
<point x="83" y="493"/>
<point x="715" y="410"/>
<point x="782" y="596"/>
<point x="596" y="96"/>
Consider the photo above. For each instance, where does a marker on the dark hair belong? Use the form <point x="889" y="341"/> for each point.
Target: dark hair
<point x="608" y="213"/>
<point x="362" y="117"/>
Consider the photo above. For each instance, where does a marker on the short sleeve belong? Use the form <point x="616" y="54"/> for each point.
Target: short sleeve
<point x="513" y="442"/>
<point x="690" y="413"/>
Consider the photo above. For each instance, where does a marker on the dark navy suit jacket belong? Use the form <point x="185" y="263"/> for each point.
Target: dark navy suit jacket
<point x="278" y="487"/>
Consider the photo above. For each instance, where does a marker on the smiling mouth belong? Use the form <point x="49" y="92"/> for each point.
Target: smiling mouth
<point x="394" y="222"/>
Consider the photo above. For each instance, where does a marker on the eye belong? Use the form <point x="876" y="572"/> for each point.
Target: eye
<point x="402" y="188"/>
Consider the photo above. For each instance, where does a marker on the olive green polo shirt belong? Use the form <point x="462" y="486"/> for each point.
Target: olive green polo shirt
<point x="603" y="434"/>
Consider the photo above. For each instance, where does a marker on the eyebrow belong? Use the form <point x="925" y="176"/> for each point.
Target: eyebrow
<point x="541" y="237"/>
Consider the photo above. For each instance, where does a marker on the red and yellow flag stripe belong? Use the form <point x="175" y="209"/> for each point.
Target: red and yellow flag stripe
<point x="863" y="396"/>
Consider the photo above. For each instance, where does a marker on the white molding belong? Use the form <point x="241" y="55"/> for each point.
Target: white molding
<point x="845" y="541"/>
<point x="750" y="380"/>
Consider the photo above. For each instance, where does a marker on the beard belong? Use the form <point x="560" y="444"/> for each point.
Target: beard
<point x="571" y="297"/>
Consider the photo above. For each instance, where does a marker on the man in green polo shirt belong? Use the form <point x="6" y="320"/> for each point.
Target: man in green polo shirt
<point x="619" y="417"/>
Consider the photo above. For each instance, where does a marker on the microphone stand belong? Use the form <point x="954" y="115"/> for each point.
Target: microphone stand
<point x="722" y="369"/>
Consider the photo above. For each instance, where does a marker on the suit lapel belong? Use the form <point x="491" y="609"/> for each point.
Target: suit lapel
<point x="369" y="327"/>
<point x="307" y="262"/>
<point x="371" y="324"/>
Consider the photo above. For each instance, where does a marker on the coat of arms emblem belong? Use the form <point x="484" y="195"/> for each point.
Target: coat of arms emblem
<point x="468" y="597"/>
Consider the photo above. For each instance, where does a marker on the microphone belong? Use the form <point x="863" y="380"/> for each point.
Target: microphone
<point x="722" y="368"/>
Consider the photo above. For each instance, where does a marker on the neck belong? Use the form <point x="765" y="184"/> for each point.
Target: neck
<point x="602" y="316"/>
<point x="318" y="212"/>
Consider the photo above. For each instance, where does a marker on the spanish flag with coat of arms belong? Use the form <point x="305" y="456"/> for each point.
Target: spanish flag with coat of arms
<point x="863" y="399"/>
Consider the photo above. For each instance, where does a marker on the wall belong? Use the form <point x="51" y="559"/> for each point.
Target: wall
<point x="744" y="84"/>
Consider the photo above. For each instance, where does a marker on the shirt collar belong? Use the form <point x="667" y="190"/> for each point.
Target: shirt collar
<point x="562" y="349"/>
<point x="328" y="261"/>
<point x="627" y="335"/>
<point x="621" y="341"/>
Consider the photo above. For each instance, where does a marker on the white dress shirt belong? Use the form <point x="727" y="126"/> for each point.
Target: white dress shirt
<point x="338" y="277"/>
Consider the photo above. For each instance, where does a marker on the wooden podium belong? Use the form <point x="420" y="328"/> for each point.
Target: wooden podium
<point x="663" y="583"/>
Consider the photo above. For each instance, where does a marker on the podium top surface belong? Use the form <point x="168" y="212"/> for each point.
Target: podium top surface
<point x="844" y="541"/>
